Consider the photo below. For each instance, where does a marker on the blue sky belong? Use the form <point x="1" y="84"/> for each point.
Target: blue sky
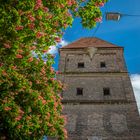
<point x="125" y="32"/>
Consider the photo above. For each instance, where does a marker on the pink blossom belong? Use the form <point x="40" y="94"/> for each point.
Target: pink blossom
<point x="69" y="3"/>
<point x="38" y="4"/>
<point x="1" y="64"/>
<point x="99" y="19"/>
<point x="45" y="9"/>
<point x="31" y="26"/>
<point x="19" y="56"/>
<point x="31" y="18"/>
<point x="40" y="97"/>
<point x="68" y="14"/>
<point x="48" y="114"/>
<point x="7" y="45"/>
<point x="18" y="118"/>
<point x="52" y="79"/>
<point x="20" y="12"/>
<point x="43" y="70"/>
<point x="19" y="126"/>
<point x="50" y="125"/>
<point x="44" y="102"/>
<point x="21" y="111"/>
<point x="33" y="48"/>
<point x="13" y="67"/>
<point x="44" y="51"/>
<point x="59" y="82"/>
<point x="65" y="25"/>
<point x="65" y="133"/>
<point x="30" y="59"/>
<point x="57" y="39"/>
<point x="62" y="6"/>
<point x="4" y="73"/>
<point x="30" y="83"/>
<point x="54" y="30"/>
<point x="49" y="16"/>
<point x="36" y="62"/>
<point x="28" y="118"/>
<point x="20" y="51"/>
<point x="99" y="4"/>
<point x="19" y="28"/>
<point x="96" y="4"/>
<point x="55" y="104"/>
<point x="53" y="129"/>
<point x="39" y="17"/>
<point x="56" y="24"/>
<point x="7" y="108"/>
<point x="57" y="72"/>
<point x="39" y="34"/>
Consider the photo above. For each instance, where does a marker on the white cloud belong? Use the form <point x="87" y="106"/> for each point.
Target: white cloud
<point x="64" y="42"/>
<point x="135" y="79"/>
<point x="54" y="49"/>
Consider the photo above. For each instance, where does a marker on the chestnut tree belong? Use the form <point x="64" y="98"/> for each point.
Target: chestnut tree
<point x="30" y="104"/>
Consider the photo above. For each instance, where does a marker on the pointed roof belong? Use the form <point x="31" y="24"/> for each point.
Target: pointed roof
<point x="90" y="42"/>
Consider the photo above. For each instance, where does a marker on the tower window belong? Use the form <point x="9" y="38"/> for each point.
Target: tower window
<point x="102" y="65"/>
<point x="106" y="91"/>
<point x="79" y="91"/>
<point x="81" y="65"/>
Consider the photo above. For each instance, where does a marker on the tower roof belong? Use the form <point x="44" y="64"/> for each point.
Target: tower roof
<point x="90" y="42"/>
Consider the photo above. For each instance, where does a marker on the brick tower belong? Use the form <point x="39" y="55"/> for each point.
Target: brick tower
<point x="99" y="100"/>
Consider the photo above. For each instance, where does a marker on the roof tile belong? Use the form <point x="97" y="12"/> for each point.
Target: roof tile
<point x="89" y="42"/>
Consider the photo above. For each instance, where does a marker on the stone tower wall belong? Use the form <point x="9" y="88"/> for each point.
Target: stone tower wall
<point x="92" y="115"/>
<point x="108" y="121"/>
<point x="112" y="57"/>
<point x="93" y="86"/>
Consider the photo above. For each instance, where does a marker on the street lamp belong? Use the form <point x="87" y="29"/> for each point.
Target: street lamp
<point x="116" y="15"/>
<point x="113" y="16"/>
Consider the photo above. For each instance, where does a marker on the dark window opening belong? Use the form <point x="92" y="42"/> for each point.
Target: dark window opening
<point x="102" y="65"/>
<point x="79" y="91"/>
<point x="106" y="91"/>
<point x="67" y="59"/>
<point x="81" y="65"/>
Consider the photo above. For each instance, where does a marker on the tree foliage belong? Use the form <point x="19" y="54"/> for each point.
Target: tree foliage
<point x="30" y="104"/>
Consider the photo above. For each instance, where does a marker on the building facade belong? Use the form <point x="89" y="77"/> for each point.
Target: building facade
<point x="99" y="101"/>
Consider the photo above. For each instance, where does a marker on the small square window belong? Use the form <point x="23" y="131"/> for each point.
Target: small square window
<point x="81" y="65"/>
<point x="79" y="91"/>
<point x="102" y="65"/>
<point x="106" y="91"/>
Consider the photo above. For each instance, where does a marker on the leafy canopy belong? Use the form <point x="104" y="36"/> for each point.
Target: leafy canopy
<point x="30" y="103"/>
